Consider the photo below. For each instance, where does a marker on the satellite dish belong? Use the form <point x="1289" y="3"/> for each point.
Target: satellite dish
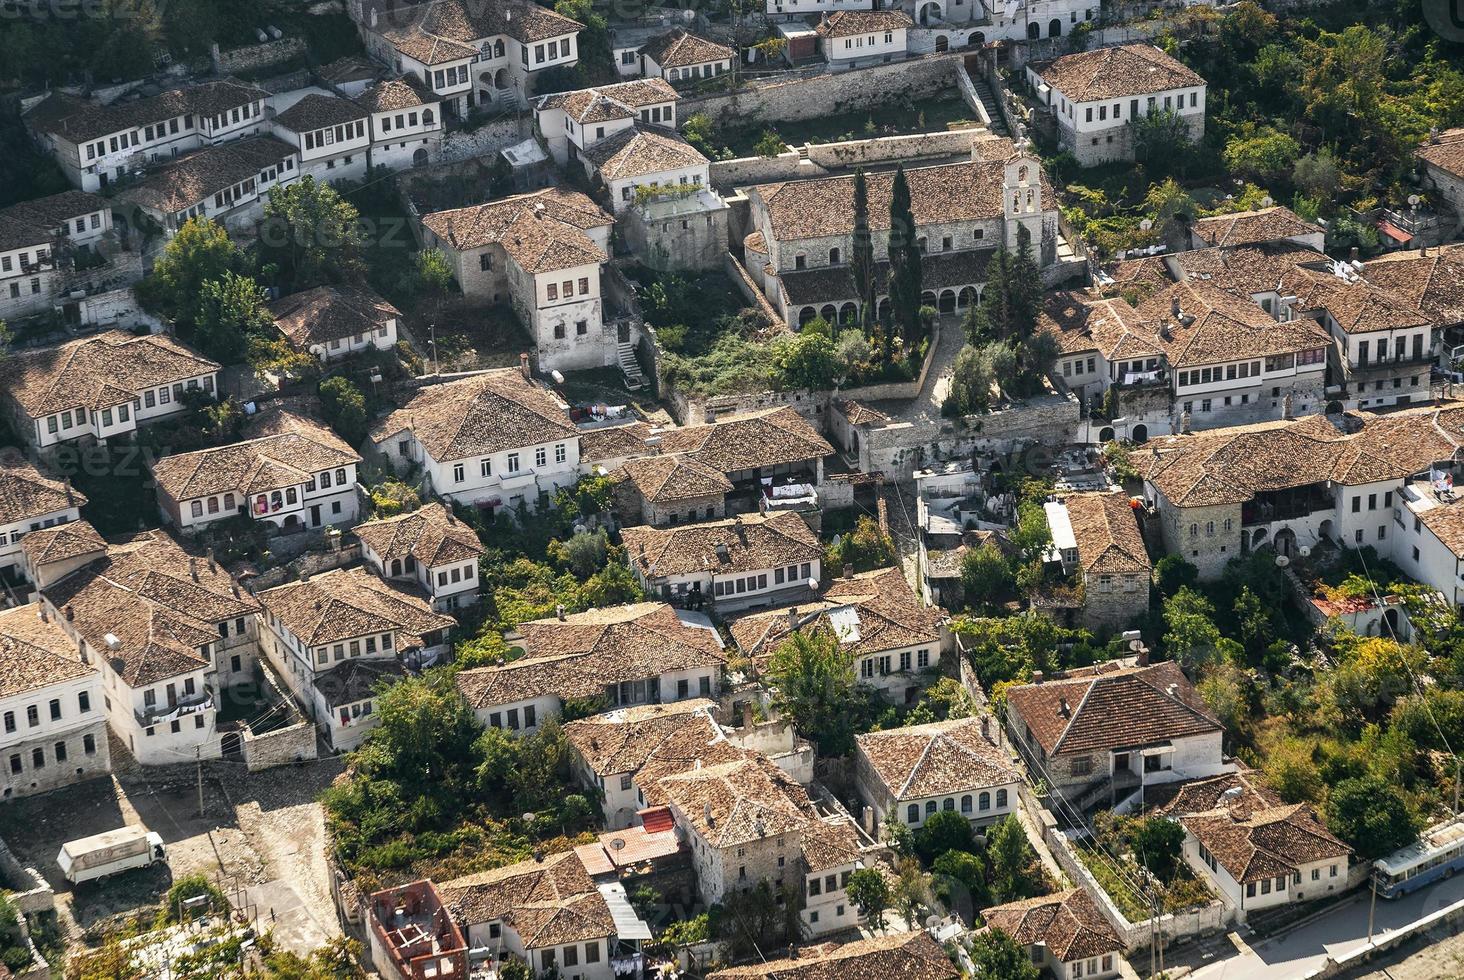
<point x="1282" y="561"/>
<point x="1267" y="201"/>
<point x="1145" y="225"/>
<point x="1414" y="200"/>
<point x="1304" y="550"/>
<point x="931" y="921"/>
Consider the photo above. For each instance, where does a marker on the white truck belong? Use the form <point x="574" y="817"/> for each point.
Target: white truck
<point x="110" y="852"/>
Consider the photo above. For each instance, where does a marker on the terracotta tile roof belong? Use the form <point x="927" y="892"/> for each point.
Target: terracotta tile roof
<point x="1432" y="284"/>
<point x="38" y="221"/>
<point x="1068" y="923"/>
<point x="739" y="802"/>
<point x="678" y="48"/>
<point x="35" y="653"/>
<point x="894" y="956"/>
<point x="1253" y="227"/>
<point x="477" y="416"/>
<point x="1108" y="536"/>
<point x="824" y="206"/>
<point x="350" y="602"/>
<point x="1142" y="275"/>
<point x="548" y="902"/>
<point x="665" y="479"/>
<point x="1116" y="73"/>
<point x="317" y="111"/>
<point x="326" y="313"/>
<point x="396" y="93"/>
<point x="1232" y="465"/>
<point x="753" y="440"/>
<point x="1232" y="789"/>
<point x="942" y="563"/>
<point x="290" y="454"/>
<point x="580" y="655"/>
<point x="26" y="492"/>
<point x="1255" y="844"/>
<point x="543" y="231"/>
<point x="603" y="103"/>
<point x="1216" y="326"/>
<point x="749" y="543"/>
<point x="1080" y="323"/>
<point x="432" y="536"/>
<point x="848" y="23"/>
<point x="59" y="543"/>
<point x="859" y="413"/>
<point x="622" y="740"/>
<point x="1447" y="153"/>
<point x="96" y="372"/>
<point x="936" y="759"/>
<point x="201" y="175"/>
<point x="1124" y="707"/>
<point x="640" y="150"/>
<point x="356" y="679"/>
<point x="612" y="442"/>
<point x="830" y="842"/>
<point x="870" y="612"/>
<point x="1357" y="306"/>
<point x="159" y="603"/>
<point x="78" y="120"/>
<point x="347" y="69"/>
<point x="1249" y="269"/>
<point x="450" y="30"/>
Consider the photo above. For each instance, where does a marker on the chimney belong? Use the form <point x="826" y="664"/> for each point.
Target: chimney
<point x="524" y="365"/>
<point x="69" y="614"/>
<point x="1036" y="677"/>
<point x="1174" y="307"/>
<point x="707" y="814"/>
<point x="193" y="569"/>
<point x="41" y="611"/>
<point x="1143" y="656"/>
<point x="848" y="571"/>
<point x="792" y="618"/>
<point x="1064" y="709"/>
<point x="986" y="728"/>
<point x="1354" y="254"/>
<point x="212" y="566"/>
<point x="747" y="714"/>
<point x="559" y="612"/>
<point x="1287" y="407"/>
<point x="709" y="414"/>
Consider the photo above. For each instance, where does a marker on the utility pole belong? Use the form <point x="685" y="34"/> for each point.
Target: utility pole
<point x="198" y="763"/>
<point x="432" y="337"/>
<point x="1372" y="906"/>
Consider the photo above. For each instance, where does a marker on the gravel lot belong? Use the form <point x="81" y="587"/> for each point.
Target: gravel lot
<point x="261" y="838"/>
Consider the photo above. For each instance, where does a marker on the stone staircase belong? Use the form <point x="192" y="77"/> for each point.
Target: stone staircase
<point x="989" y="103"/>
<point x="635" y="380"/>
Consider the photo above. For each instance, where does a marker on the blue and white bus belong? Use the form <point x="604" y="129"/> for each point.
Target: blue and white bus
<point x="1437" y="854"/>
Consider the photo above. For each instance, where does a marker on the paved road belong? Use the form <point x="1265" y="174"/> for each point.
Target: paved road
<point x="1342" y="930"/>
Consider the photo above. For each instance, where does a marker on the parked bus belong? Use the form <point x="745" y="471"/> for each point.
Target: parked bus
<point x="1437" y="854"/>
<point x="109" y="853"/>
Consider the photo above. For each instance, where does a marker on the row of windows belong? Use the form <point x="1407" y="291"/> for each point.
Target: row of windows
<point x="858" y="42"/>
<point x="448" y="77"/>
<point x="827" y="884"/>
<point x="698" y="71"/>
<point x="53" y="710"/>
<point x="455" y="575"/>
<point x="567" y="287"/>
<point x="695" y="181"/>
<point x="353" y="130"/>
<point x="737" y="586"/>
<point x="947" y="243"/>
<point x="1372" y="501"/>
<point x="1400" y="351"/>
<point x="982" y="803"/>
<point x="35" y="288"/>
<point x="569" y="954"/>
<point x="162" y="130"/>
<point x="1210" y="528"/>
<point x="541" y="51"/>
<point x="359" y="338"/>
<point x="370" y="644"/>
<point x="175" y="726"/>
<point x="485" y="465"/>
<point x="792" y="573"/>
<point x="1150" y="105"/>
<point x="881" y="664"/>
<point x="531" y="718"/>
<point x="403" y="120"/>
<point x="26" y="265"/>
<point x="581" y="327"/>
<point x="59" y="753"/>
<point x="150" y="696"/>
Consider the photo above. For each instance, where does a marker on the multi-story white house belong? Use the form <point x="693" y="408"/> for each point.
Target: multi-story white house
<point x="542" y="253"/>
<point x="1065" y="932"/>
<point x="37" y="238"/>
<point x="800" y="250"/>
<point x="469" y="54"/>
<point x="227" y="184"/>
<point x="1098" y="96"/>
<point x="332" y="322"/>
<point x="641" y="653"/>
<point x="643" y="162"/>
<point x="800" y="8"/>
<point x="571" y="121"/>
<point x="429" y="546"/>
<point x="680" y="56"/>
<point x="293" y="474"/>
<point x="99" y="387"/>
<point x="406" y="123"/>
<point x="744" y="561"/>
<point x="53" y="731"/>
<point x="166" y="630"/>
<point x="331" y="136"/>
<point x="496" y="439"/>
<point x="894" y="640"/>
<point x="1442" y="160"/>
<point x="852" y="38"/>
<point x="30" y="501"/>
<point x="335" y="637"/>
<point x="97" y="145"/>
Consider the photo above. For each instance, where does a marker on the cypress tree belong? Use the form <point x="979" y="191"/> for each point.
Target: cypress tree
<point x="862" y="261"/>
<point x="905" y="266"/>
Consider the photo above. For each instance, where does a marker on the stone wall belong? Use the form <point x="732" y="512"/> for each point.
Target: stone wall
<point x="310" y="563"/>
<point x="281" y="747"/>
<point x="255" y="56"/>
<point x="822" y="95"/>
<point x="489" y="138"/>
<point x="25" y="886"/>
<point x="915" y="146"/>
<point x="902" y="446"/>
<point x="739" y="275"/>
<point x="761" y="170"/>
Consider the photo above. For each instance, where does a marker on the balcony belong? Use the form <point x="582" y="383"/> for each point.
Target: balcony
<point x="1285" y="505"/>
<point x="191" y="705"/>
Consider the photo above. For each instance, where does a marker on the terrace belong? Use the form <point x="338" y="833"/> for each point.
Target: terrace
<point x="413" y="937"/>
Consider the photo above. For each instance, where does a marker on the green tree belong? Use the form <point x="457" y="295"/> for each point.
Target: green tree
<point x="1317" y="175"/>
<point x="906" y="274"/>
<point x="870" y="893"/>
<point x="1160" y="137"/>
<point x="1159" y="844"/>
<point x="972" y="376"/>
<point x="1172" y="573"/>
<point x="584" y="553"/>
<point x="1011" y="859"/>
<point x="751" y="920"/>
<point x="1192" y="637"/>
<point x="807" y="361"/>
<point x="812" y="677"/>
<point x="769" y="144"/>
<point x="986" y="575"/>
<point x="596" y="59"/>
<point x="861" y="260"/>
<point x="311" y="235"/>
<point x="231" y="310"/>
<point x="995" y="954"/>
<point x="345" y="408"/>
<point x="1370" y="814"/>
<point x="1261" y="153"/>
<point x="864" y="549"/>
<point x="961" y="871"/>
<point x="200" y="252"/>
<point x="944" y="831"/>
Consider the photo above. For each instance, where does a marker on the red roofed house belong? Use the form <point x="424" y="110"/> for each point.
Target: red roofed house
<point x="1098" y="734"/>
<point x="1064" y="931"/>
